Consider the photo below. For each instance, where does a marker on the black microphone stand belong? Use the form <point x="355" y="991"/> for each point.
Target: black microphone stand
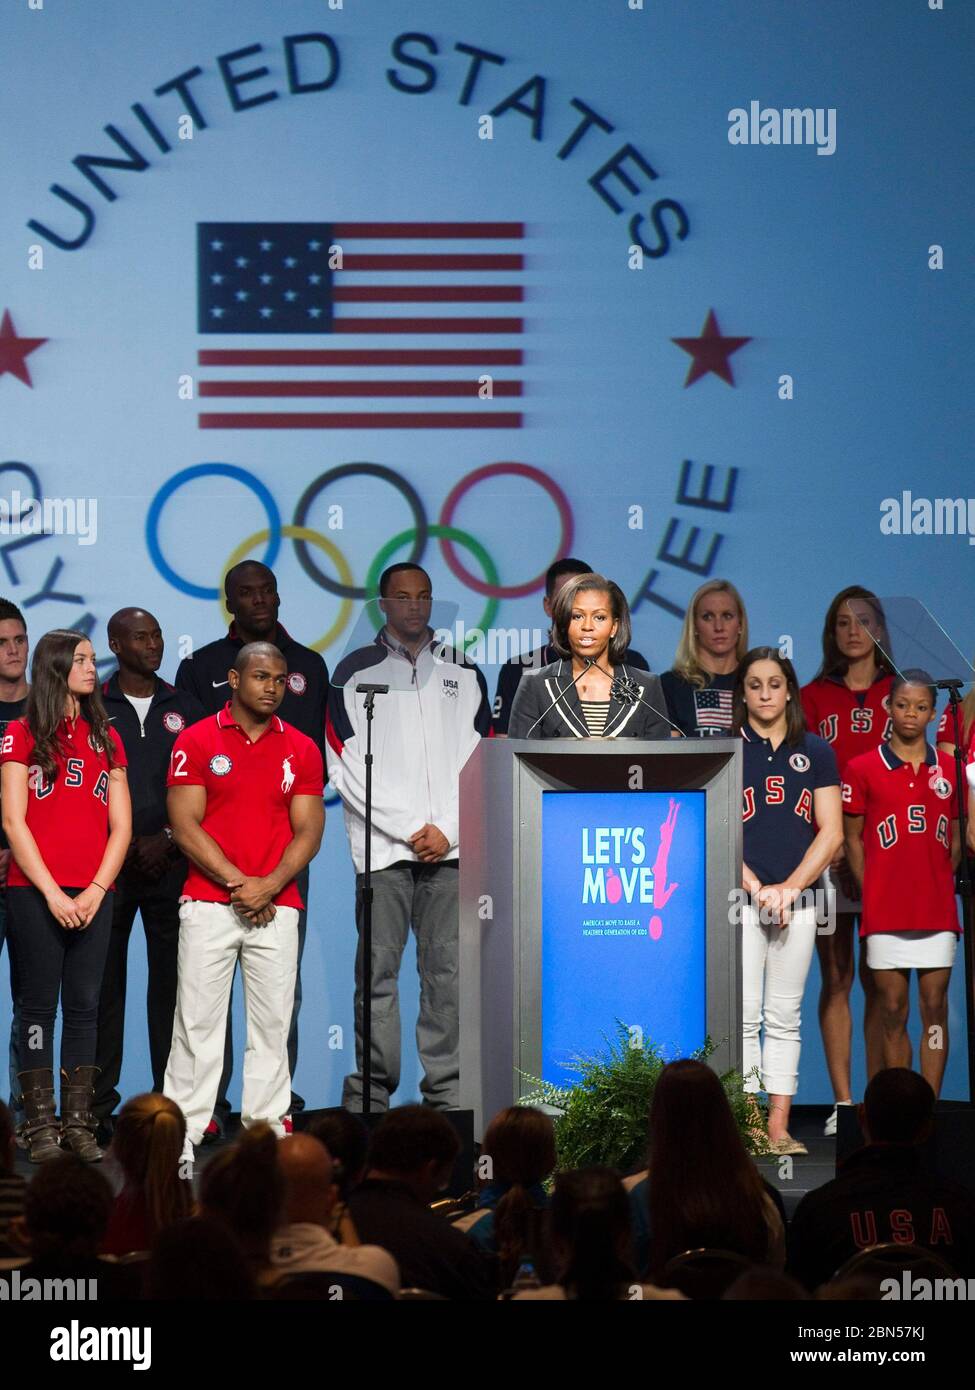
<point x="964" y="878"/>
<point x="370" y="692"/>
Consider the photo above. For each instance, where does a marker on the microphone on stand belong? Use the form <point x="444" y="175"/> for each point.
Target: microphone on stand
<point x="589" y="662"/>
<point x="627" y="691"/>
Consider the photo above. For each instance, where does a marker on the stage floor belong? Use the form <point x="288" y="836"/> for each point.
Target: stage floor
<point x="793" y="1177"/>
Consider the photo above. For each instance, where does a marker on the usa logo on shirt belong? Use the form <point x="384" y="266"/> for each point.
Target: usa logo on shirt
<point x="297" y="683"/>
<point x="451" y="689"/>
<point x="173" y="722"/>
<point x="220" y="765"/>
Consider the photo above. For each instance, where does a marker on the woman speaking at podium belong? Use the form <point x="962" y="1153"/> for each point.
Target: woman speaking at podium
<point x="588" y="692"/>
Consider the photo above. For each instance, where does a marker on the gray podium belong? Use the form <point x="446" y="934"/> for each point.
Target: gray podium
<point x="501" y="810"/>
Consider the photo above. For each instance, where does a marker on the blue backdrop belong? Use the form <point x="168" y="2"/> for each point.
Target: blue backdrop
<point x="556" y="179"/>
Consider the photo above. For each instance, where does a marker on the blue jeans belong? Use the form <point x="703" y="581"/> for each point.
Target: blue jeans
<point x="15" y="1105"/>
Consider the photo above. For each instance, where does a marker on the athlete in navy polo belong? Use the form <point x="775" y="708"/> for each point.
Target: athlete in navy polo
<point x="245" y="805"/>
<point x="148" y="715"/>
<point x="793" y="826"/>
<point x="903" y="843"/>
<point x="253" y="600"/>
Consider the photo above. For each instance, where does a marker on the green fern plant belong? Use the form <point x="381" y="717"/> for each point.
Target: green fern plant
<point x="603" y="1116"/>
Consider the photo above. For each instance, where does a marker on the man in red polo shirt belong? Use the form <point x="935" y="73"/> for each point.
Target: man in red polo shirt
<point x="245" y="807"/>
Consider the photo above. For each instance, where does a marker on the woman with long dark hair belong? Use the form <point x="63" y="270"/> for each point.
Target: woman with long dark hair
<point x="519" y="1146"/>
<point x="243" y="1188"/>
<point x="67" y="816"/>
<point x="589" y="692"/>
<point x="702" y="1188"/>
<point x="848" y="704"/>
<point x="793" y="826"/>
<point x="590" y="1240"/>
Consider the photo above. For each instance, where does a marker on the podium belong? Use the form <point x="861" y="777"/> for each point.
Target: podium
<point x="597" y="887"/>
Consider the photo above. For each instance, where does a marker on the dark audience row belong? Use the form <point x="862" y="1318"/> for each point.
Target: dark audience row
<point x="333" y="1214"/>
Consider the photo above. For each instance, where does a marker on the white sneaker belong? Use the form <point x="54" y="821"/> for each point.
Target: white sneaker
<point x="829" y="1129"/>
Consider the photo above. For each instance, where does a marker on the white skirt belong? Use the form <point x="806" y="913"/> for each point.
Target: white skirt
<point x="911" y="950"/>
<point x="830" y="882"/>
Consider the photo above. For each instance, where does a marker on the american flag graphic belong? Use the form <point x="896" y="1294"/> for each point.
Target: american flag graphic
<point x="364" y="282"/>
<point x="713" y="709"/>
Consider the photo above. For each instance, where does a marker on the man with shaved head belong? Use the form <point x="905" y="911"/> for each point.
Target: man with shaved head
<point x="253" y="602"/>
<point x="304" y="1244"/>
<point x="245" y="803"/>
<point x="148" y="716"/>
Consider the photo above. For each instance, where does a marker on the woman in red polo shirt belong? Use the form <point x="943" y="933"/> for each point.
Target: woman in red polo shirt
<point x="848" y="704"/>
<point x="903" y="845"/>
<point x="67" y="816"/>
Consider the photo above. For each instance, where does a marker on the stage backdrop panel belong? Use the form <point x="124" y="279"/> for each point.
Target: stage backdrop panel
<point x="675" y="288"/>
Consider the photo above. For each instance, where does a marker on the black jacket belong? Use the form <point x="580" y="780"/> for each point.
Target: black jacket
<point x="430" y="1253"/>
<point x="204" y="675"/>
<point x="509" y="678"/>
<point x="148" y="747"/>
<point x="547" y="706"/>
<point x="881" y="1194"/>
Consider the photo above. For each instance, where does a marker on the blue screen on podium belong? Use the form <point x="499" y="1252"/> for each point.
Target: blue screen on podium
<point x="623" y="922"/>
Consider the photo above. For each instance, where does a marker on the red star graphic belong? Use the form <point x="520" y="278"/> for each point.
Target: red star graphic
<point x="14" y="351"/>
<point x="710" y="352"/>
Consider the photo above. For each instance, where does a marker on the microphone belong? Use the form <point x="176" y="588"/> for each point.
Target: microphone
<point x="625" y="689"/>
<point x="589" y="662"/>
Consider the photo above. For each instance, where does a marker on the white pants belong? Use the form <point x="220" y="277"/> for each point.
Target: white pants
<point x="774" y="964"/>
<point x="212" y="937"/>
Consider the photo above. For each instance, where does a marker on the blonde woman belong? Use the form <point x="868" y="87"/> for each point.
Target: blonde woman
<point x="713" y="641"/>
<point x="147" y="1143"/>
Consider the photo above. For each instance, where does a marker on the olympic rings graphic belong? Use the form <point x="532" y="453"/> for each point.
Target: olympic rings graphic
<point x="491" y="470"/>
<point x="416" y="536"/>
<point x="441" y="533"/>
<point x="203" y="470"/>
<point x="349" y="470"/>
<point x="298" y="533"/>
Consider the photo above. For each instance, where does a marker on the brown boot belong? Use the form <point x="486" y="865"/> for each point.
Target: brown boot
<point x="41" y="1130"/>
<point x="77" y="1121"/>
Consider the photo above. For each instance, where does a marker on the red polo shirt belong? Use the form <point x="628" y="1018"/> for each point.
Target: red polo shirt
<point x="908" y="881"/>
<point x="68" y="817"/>
<point x="851" y="721"/>
<point x="249" y="789"/>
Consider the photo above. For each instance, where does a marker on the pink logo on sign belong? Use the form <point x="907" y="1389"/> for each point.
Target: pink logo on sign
<point x="662" y="890"/>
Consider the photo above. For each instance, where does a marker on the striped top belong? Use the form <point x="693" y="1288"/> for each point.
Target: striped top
<point x="594" y="712"/>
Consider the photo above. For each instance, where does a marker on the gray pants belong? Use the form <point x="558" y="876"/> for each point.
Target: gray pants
<point x="423" y="896"/>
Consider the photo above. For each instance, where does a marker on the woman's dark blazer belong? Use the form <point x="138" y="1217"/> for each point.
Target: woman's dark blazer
<point x="553" y="686"/>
